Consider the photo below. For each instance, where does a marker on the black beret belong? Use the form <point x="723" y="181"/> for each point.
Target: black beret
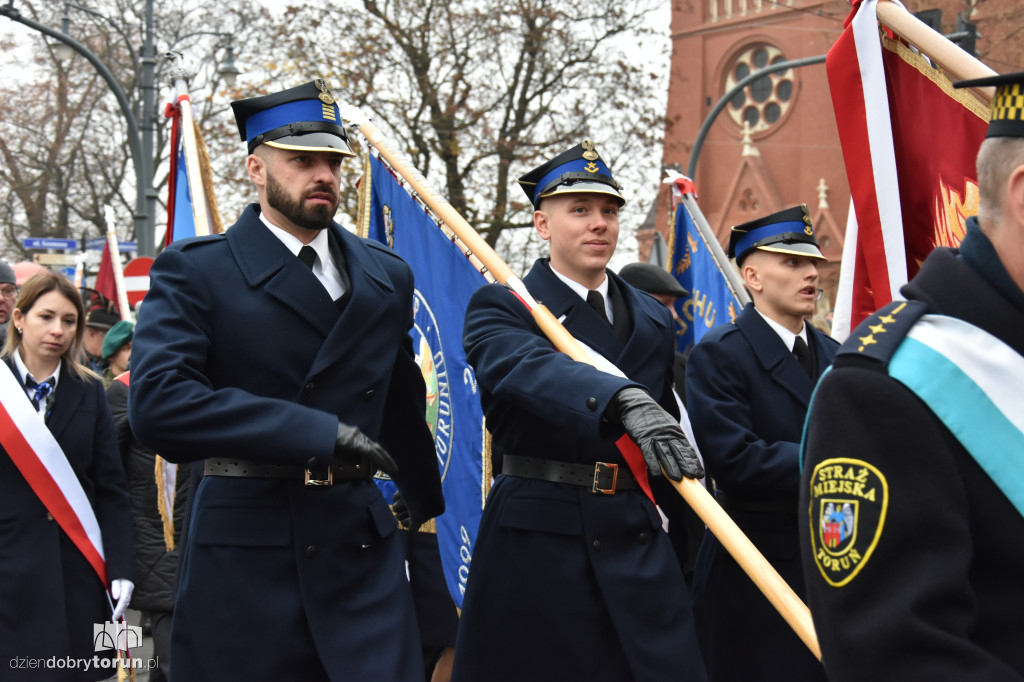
<point x="652" y="279"/>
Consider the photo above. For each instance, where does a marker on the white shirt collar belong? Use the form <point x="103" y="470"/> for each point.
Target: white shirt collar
<point x="788" y="337"/>
<point x="582" y="291"/>
<point x="324" y="268"/>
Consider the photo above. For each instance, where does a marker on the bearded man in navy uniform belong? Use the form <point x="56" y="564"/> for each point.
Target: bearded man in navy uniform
<point x="279" y="353"/>
<point x="573" y="577"/>
<point x="913" y="481"/>
<point x="748" y="384"/>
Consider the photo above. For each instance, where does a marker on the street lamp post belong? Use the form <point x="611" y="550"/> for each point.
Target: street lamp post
<point x="145" y="195"/>
<point x="147" y="246"/>
<point x="144" y="220"/>
<point x="140" y="138"/>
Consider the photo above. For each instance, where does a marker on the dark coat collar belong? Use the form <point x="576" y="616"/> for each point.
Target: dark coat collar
<point x="581" y="320"/>
<point x="264" y="261"/>
<point x="777" y="360"/>
<point x="950" y="286"/>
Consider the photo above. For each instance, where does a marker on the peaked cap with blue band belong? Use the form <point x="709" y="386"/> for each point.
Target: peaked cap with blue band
<point x="788" y="231"/>
<point x="1006" y="113"/>
<point x="579" y="169"/>
<point x="303" y="118"/>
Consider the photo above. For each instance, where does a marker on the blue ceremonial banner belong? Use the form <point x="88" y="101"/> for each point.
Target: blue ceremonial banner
<point x="184" y="223"/>
<point x="711" y="301"/>
<point x="445" y="280"/>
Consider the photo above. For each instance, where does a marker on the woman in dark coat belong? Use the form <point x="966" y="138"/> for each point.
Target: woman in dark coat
<point x="51" y="596"/>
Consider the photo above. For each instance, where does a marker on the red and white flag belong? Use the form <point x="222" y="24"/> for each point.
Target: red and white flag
<point x="106" y="282"/>
<point x="909" y="142"/>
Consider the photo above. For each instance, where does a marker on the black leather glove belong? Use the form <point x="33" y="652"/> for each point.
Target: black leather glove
<point x="658" y="435"/>
<point x="402" y="513"/>
<point x="353" y="445"/>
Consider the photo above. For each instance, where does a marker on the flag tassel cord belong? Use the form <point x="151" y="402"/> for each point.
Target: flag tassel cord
<point x="753" y="563"/>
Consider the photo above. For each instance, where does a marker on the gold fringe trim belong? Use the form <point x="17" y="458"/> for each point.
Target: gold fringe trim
<point x="216" y="224"/>
<point x="938" y="76"/>
<point x="166" y="516"/>
<point x="363" y="211"/>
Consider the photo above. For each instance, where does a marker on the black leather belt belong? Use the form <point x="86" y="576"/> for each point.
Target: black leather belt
<point x="772" y="505"/>
<point x="319" y="476"/>
<point x="600" y="477"/>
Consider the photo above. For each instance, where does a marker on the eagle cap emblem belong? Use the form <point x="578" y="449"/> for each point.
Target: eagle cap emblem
<point x="588" y="150"/>
<point x="808" y="230"/>
<point x="325" y="96"/>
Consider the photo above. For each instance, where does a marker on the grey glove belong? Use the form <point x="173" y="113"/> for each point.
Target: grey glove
<point x="658" y="435"/>
<point x="353" y="445"/>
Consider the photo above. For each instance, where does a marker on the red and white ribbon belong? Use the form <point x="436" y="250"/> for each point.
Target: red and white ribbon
<point x="42" y="462"/>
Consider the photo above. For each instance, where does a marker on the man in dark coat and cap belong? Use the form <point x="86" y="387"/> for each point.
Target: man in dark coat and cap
<point x="912" y="497"/>
<point x="748" y="384"/>
<point x="573" y="577"/>
<point x="279" y="353"/>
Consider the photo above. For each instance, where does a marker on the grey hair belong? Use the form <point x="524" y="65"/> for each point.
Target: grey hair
<point x="997" y="158"/>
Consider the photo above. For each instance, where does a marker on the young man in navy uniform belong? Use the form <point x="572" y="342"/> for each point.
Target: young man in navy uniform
<point x="278" y="353"/>
<point x="748" y="384"/>
<point x="912" y="498"/>
<point x="572" y="576"/>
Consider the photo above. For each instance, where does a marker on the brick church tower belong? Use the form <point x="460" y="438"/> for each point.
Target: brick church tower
<point x="775" y="143"/>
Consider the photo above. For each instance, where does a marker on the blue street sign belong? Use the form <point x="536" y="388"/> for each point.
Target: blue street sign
<point x="50" y="243"/>
<point x="97" y="244"/>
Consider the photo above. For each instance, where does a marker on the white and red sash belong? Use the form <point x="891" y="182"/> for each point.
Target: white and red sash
<point x="40" y="459"/>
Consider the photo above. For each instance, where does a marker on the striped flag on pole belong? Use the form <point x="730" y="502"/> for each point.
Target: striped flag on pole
<point x="191" y="204"/>
<point x="909" y="142"/>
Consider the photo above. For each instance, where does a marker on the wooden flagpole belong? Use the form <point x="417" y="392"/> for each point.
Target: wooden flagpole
<point x="767" y="579"/>
<point x="933" y="44"/>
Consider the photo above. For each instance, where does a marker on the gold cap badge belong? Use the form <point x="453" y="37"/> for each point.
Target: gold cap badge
<point x="326" y="96"/>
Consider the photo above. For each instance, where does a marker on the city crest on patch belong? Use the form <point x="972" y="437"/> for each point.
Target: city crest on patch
<point x="849" y="500"/>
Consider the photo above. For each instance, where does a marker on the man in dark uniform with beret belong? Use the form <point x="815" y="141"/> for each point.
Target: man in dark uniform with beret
<point x="572" y="576"/>
<point x="912" y="498"/>
<point x="279" y="353"/>
<point x="748" y="384"/>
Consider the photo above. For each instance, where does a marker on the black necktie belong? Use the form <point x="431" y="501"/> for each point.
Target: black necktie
<point x="803" y="356"/>
<point x="596" y="301"/>
<point x="307" y="254"/>
<point x="41" y="390"/>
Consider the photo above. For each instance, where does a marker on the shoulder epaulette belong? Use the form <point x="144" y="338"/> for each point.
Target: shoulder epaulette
<point x="878" y="337"/>
<point x="191" y="242"/>
<point x="383" y="248"/>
